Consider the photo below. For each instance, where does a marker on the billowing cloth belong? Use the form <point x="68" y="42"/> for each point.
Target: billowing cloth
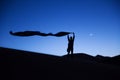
<point x="33" y="33"/>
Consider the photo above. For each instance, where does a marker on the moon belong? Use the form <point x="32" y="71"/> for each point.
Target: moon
<point x="91" y="34"/>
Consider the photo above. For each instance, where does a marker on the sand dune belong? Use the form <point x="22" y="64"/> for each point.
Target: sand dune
<point x="25" y="65"/>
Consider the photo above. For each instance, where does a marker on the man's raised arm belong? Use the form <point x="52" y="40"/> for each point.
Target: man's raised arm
<point x="73" y="35"/>
<point x="68" y="37"/>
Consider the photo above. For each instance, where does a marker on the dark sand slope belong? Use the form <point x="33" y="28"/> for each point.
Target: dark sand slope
<point x="24" y="65"/>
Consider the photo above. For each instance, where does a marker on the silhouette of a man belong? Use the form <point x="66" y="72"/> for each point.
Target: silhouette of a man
<point x="70" y="43"/>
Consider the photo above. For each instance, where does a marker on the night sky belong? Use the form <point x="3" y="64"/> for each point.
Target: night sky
<point x="96" y="24"/>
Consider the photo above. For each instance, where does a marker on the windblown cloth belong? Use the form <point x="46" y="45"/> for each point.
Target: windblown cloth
<point x="33" y="33"/>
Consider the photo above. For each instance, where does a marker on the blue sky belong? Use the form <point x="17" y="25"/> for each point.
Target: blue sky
<point x="96" y="24"/>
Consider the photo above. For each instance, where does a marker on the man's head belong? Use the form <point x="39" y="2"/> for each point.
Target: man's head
<point x="70" y="37"/>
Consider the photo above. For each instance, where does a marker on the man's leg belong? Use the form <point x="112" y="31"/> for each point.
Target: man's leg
<point x="68" y="50"/>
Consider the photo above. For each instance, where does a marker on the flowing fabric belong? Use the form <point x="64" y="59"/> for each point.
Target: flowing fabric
<point x="33" y="33"/>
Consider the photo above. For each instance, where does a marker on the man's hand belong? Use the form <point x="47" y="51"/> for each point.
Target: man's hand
<point x="73" y="33"/>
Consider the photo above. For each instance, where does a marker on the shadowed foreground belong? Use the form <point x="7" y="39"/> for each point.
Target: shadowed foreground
<point x="24" y="65"/>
